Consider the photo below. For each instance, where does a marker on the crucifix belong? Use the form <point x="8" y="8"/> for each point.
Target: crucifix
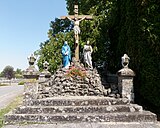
<point x="76" y="20"/>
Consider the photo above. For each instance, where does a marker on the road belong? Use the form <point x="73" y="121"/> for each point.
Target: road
<point x="8" y="93"/>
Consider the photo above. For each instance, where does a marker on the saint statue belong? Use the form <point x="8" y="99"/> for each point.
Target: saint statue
<point x="87" y="51"/>
<point x="66" y="53"/>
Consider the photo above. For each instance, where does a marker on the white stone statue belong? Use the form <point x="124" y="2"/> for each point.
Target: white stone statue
<point x="76" y="28"/>
<point x="87" y="51"/>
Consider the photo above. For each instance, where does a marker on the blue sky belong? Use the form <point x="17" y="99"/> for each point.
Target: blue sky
<point x="23" y="26"/>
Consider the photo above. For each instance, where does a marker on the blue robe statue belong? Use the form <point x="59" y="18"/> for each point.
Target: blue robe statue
<point x="66" y="53"/>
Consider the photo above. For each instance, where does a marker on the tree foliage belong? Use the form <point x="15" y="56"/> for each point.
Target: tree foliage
<point x="8" y="72"/>
<point x="50" y="50"/>
<point x="136" y="31"/>
<point x="18" y="73"/>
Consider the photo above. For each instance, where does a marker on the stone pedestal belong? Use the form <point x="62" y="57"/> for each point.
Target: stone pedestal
<point x="30" y="90"/>
<point x="31" y="84"/>
<point x="44" y="81"/>
<point x="44" y="76"/>
<point x="125" y="83"/>
<point x="44" y="84"/>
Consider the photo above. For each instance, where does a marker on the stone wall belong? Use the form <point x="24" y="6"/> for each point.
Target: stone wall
<point x="63" y="85"/>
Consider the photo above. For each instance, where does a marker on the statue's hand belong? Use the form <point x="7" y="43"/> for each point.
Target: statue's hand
<point x="66" y="53"/>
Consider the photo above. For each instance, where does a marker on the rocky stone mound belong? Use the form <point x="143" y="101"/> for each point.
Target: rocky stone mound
<point x="76" y="81"/>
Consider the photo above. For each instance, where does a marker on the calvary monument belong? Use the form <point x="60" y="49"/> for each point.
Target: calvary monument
<point x="76" y="94"/>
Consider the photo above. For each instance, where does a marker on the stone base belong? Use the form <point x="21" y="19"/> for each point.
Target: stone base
<point x="77" y="117"/>
<point x="79" y="109"/>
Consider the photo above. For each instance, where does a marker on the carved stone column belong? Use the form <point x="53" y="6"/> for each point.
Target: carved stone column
<point x="125" y="80"/>
<point x="31" y="81"/>
<point x="45" y="74"/>
<point x="44" y="81"/>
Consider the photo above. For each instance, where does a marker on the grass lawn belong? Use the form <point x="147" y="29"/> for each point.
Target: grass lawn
<point x="4" y="84"/>
<point x="17" y="101"/>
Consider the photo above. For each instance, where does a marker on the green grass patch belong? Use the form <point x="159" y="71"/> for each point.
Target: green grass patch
<point x="4" y="84"/>
<point x="17" y="101"/>
<point x="21" y="83"/>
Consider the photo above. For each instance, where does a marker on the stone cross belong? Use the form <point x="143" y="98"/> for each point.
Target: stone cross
<point x="76" y="20"/>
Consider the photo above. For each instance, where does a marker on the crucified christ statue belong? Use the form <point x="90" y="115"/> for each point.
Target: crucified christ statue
<point x="76" y="27"/>
<point x="76" y="19"/>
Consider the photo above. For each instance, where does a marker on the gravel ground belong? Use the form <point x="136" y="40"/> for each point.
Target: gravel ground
<point x="89" y="125"/>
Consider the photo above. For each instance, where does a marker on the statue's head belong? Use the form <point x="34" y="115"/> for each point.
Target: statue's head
<point x="76" y="9"/>
<point x="65" y="42"/>
<point x="88" y="42"/>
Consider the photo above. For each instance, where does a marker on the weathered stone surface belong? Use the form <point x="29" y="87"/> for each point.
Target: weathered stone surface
<point x="125" y="83"/>
<point x="80" y="109"/>
<point x="79" y="101"/>
<point x="30" y="91"/>
<point x="90" y="125"/>
<point x="63" y="85"/>
<point x="88" y="117"/>
<point x="77" y="109"/>
<point x="126" y="72"/>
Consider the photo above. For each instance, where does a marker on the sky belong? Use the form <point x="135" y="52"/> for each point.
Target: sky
<point x="23" y="26"/>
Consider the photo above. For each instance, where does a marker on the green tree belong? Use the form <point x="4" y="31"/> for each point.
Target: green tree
<point x="135" y="30"/>
<point x="50" y="50"/>
<point x="1" y="74"/>
<point x="149" y="15"/>
<point x="8" y="72"/>
<point x="18" y="73"/>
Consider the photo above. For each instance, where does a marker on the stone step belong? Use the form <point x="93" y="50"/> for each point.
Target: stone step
<point x="77" y="109"/>
<point x="144" y="116"/>
<point x="77" y="101"/>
